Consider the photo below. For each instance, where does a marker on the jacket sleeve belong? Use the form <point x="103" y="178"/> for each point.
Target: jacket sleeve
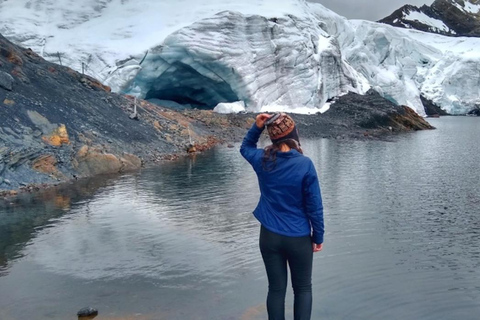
<point x="249" y="145"/>
<point x="313" y="203"/>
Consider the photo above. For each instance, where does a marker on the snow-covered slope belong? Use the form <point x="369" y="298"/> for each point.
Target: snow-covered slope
<point x="263" y="52"/>
<point x="446" y="17"/>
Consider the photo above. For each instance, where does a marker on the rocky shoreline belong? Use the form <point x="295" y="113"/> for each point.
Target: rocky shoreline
<point x="57" y="125"/>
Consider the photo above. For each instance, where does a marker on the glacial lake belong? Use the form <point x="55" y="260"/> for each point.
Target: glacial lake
<point x="179" y="242"/>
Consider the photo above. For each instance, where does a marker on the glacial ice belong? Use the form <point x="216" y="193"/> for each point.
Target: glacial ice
<point x="231" y="57"/>
<point x="267" y="53"/>
<point x="233" y="107"/>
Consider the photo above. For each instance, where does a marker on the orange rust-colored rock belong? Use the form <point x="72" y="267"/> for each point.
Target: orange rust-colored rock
<point x="191" y="148"/>
<point x="411" y="120"/>
<point x="58" y="137"/>
<point x="14" y="58"/>
<point x="52" y="70"/>
<point x="8" y="102"/>
<point x="18" y="72"/>
<point x="207" y="144"/>
<point x="62" y="201"/>
<point x="45" y="164"/>
<point x="130" y="162"/>
<point x="92" y="161"/>
<point x="157" y="125"/>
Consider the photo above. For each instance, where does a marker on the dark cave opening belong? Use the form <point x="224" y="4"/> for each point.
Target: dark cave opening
<point x="183" y="85"/>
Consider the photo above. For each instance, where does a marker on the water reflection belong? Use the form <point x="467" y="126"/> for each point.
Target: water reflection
<point x="23" y="217"/>
<point x="179" y="241"/>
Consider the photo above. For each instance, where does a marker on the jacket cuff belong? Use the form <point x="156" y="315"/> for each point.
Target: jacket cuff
<point x="318" y="239"/>
<point x="257" y="129"/>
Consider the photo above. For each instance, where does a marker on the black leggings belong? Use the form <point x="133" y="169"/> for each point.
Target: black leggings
<point x="277" y="250"/>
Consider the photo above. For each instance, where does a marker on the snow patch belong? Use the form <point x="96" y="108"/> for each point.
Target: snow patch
<point x="234" y="107"/>
<point x="283" y="108"/>
<point x="468" y="7"/>
<point x="429" y="21"/>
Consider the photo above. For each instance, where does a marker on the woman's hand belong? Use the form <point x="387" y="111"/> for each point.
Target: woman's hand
<point x="317" y="247"/>
<point x="260" y="120"/>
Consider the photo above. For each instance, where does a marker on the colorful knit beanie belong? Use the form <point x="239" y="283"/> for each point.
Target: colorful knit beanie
<point x="282" y="127"/>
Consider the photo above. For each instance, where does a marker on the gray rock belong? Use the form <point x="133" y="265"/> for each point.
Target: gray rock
<point x="6" y="81"/>
<point x="87" y="312"/>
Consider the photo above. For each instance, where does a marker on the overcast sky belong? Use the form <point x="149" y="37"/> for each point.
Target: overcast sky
<point x="368" y="9"/>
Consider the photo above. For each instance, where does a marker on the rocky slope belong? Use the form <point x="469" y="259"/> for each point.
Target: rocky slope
<point x="57" y="124"/>
<point x="445" y="17"/>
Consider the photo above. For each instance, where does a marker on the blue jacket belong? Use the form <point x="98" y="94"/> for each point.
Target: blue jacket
<point x="290" y="199"/>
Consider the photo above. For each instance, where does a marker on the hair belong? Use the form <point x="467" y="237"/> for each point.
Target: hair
<point x="269" y="160"/>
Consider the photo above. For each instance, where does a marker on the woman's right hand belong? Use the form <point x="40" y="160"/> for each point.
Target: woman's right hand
<point x="317" y="247"/>
<point x="261" y="118"/>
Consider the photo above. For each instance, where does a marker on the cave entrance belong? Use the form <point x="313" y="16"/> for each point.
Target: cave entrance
<point x="182" y="85"/>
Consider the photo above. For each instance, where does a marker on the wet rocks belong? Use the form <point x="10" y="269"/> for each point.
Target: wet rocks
<point x="432" y="109"/>
<point x="89" y="313"/>
<point x="130" y="162"/>
<point x="92" y="161"/>
<point x="6" y="81"/>
<point x="360" y="117"/>
<point x="191" y="148"/>
<point x="474" y="112"/>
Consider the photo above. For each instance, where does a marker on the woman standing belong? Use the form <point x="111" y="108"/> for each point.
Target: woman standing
<point x="290" y="212"/>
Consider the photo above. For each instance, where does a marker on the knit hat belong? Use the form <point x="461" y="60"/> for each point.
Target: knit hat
<point x="281" y="127"/>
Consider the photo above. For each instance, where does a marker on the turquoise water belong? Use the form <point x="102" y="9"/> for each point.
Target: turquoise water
<point x="179" y="241"/>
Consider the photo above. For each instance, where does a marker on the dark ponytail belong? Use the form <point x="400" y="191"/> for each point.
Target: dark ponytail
<point x="269" y="160"/>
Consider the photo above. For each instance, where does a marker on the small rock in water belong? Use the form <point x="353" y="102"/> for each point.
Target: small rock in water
<point x="191" y="148"/>
<point x="87" y="312"/>
<point x="231" y="145"/>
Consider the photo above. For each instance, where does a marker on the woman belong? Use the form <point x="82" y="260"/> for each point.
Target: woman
<point x="290" y="212"/>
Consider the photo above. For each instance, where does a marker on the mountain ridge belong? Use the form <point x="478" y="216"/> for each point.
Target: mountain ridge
<point x="459" y="18"/>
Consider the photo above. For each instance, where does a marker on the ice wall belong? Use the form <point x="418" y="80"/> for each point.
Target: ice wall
<point x="231" y="56"/>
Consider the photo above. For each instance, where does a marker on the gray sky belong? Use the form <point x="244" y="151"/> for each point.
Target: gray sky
<point x="368" y="9"/>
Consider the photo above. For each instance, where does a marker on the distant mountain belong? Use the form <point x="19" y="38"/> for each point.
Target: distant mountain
<point x="446" y="17"/>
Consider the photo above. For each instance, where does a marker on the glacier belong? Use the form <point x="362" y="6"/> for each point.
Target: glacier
<point x="265" y="53"/>
<point x="234" y="57"/>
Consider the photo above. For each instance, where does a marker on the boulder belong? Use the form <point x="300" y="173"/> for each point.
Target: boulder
<point x="474" y="112"/>
<point x="91" y="161"/>
<point x="130" y="162"/>
<point x="58" y="137"/>
<point x="87" y="312"/>
<point x="6" y="81"/>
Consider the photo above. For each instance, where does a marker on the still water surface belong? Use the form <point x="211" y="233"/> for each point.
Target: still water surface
<point x="179" y="241"/>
